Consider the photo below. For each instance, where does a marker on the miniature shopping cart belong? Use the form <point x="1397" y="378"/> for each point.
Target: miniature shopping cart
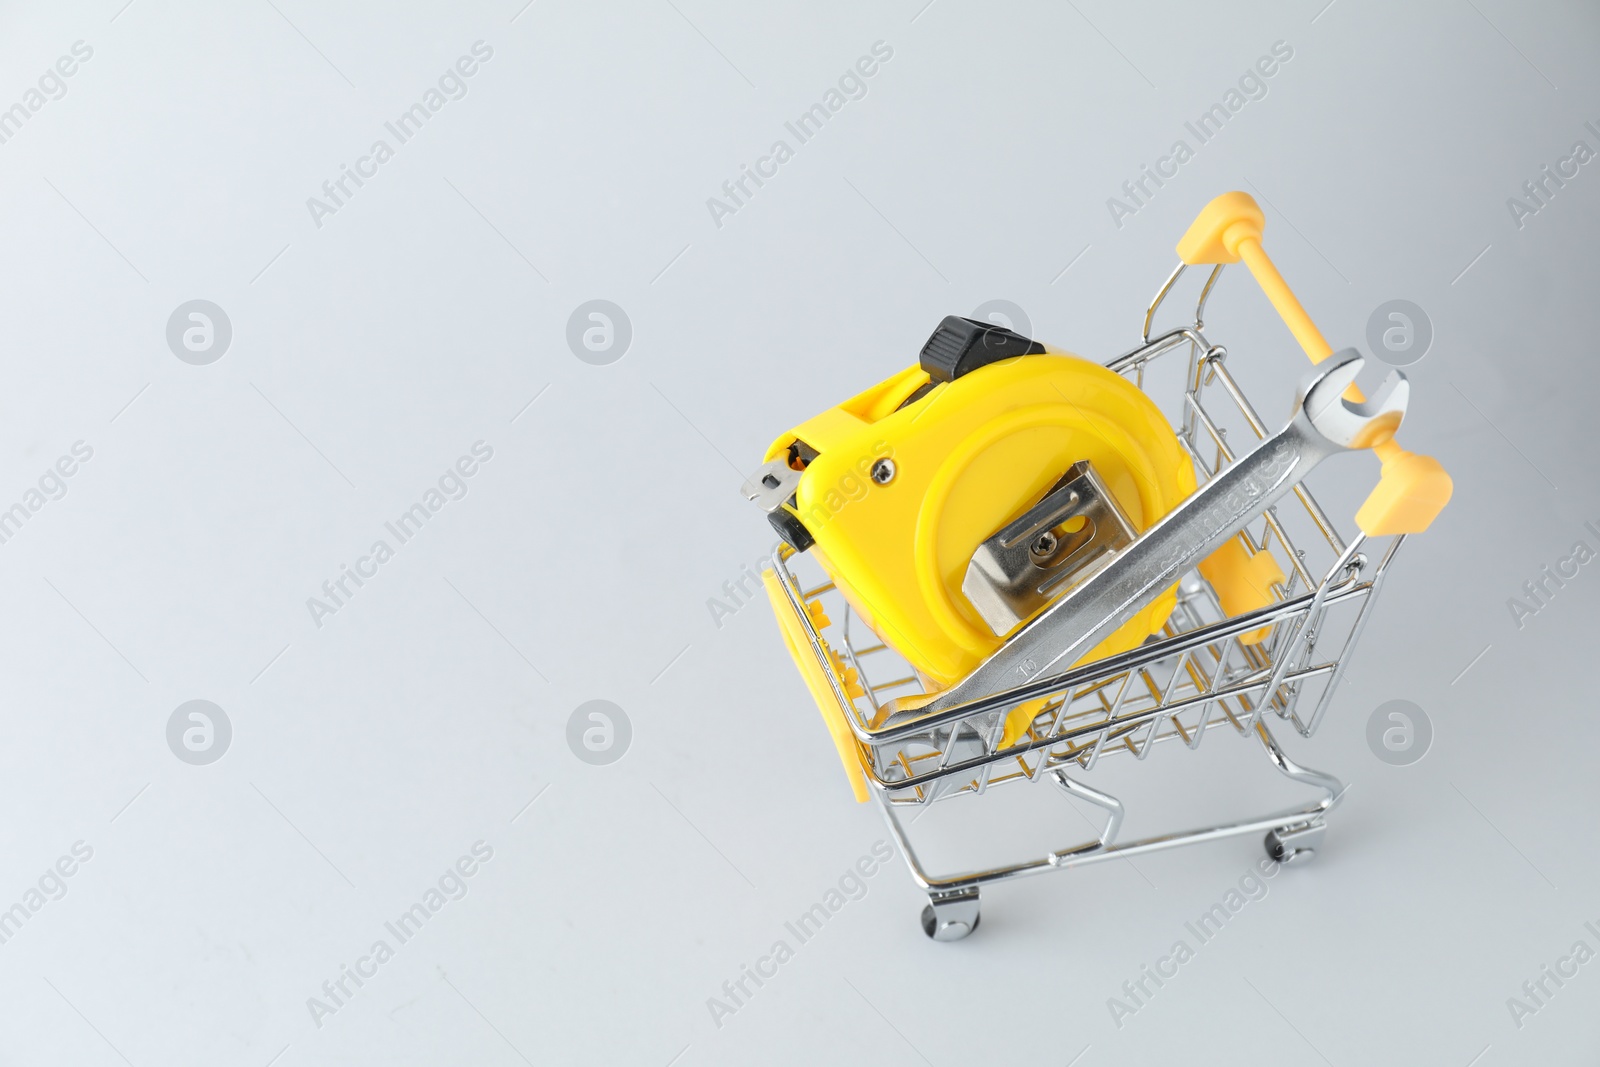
<point x="1082" y="563"/>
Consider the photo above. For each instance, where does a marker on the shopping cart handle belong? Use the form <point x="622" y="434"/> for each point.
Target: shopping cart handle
<point x="1413" y="488"/>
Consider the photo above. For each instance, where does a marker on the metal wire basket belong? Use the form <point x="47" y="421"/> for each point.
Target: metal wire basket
<point x="1205" y="670"/>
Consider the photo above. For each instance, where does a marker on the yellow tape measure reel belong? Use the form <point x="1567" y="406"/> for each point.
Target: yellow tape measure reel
<point x="902" y="483"/>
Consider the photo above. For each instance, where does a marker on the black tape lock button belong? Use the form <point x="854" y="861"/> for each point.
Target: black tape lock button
<point x="960" y="346"/>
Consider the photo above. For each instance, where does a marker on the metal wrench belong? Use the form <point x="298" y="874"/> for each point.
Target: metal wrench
<point x="1324" y="424"/>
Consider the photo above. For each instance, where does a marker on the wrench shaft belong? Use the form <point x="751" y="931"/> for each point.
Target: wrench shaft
<point x="1323" y="424"/>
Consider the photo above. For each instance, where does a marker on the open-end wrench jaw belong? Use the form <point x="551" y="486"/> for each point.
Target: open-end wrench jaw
<point x="1325" y="403"/>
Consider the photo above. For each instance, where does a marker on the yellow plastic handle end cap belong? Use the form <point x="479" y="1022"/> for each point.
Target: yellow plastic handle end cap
<point x="1408" y="497"/>
<point x="1215" y="234"/>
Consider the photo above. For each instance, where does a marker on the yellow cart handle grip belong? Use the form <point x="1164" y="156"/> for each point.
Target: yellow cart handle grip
<point x="1413" y="489"/>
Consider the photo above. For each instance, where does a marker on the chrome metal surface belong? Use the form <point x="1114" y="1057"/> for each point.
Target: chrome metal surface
<point x="951" y="916"/>
<point x="1053" y="546"/>
<point x="771" y="485"/>
<point x="1295" y="844"/>
<point x="1202" y="672"/>
<point x="1166" y="287"/>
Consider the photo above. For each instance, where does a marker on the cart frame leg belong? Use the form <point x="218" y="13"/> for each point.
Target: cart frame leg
<point x="1297" y="842"/>
<point x="1292" y="836"/>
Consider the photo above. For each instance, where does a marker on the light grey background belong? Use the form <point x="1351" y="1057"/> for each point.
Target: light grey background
<point x="371" y="752"/>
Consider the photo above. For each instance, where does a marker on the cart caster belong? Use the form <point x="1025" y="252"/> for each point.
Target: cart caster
<point x="951" y="916"/>
<point x="1294" y="844"/>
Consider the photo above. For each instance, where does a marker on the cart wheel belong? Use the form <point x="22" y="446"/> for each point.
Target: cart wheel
<point x="1294" y="844"/>
<point x="951" y="916"/>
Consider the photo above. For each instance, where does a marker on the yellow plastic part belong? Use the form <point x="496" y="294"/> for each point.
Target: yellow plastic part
<point x="1413" y="488"/>
<point x="799" y="645"/>
<point x="1410" y="494"/>
<point x="1243" y="581"/>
